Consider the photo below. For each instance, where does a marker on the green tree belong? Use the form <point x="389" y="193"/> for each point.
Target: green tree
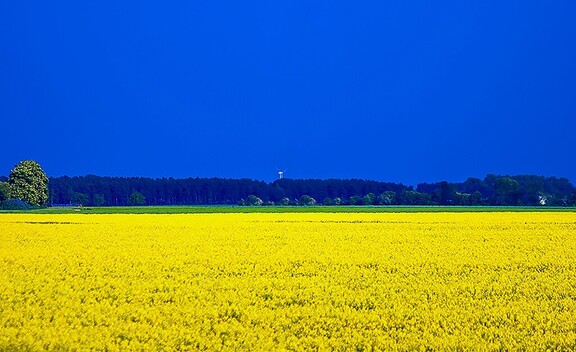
<point x="307" y="200"/>
<point x="4" y="191"/>
<point x="98" y="200"/>
<point x="136" y="198"/>
<point x="369" y="199"/>
<point x="80" y="198"/>
<point x="447" y="193"/>
<point x="475" y="198"/>
<point x="507" y="191"/>
<point x="253" y="200"/>
<point x="356" y="200"/>
<point x="387" y="198"/>
<point x="412" y="197"/>
<point x="29" y="183"/>
<point x="327" y="201"/>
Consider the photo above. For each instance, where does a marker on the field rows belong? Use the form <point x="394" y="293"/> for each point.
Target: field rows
<point x="304" y="281"/>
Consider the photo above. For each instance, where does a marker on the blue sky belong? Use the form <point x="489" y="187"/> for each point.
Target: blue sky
<point x="400" y="91"/>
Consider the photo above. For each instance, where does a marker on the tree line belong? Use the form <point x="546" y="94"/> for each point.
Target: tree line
<point x="492" y="190"/>
<point x="91" y="190"/>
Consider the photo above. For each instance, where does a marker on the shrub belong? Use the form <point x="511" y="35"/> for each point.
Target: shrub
<point x="15" y="204"/>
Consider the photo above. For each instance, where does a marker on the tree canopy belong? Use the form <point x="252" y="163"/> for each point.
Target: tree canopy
<point x="28" y="182"/>
<point x="492" y="190"/>
<point x="4" y="191"/>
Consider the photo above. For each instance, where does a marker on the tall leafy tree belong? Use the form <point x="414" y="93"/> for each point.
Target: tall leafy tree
<point x="29" y="183"/>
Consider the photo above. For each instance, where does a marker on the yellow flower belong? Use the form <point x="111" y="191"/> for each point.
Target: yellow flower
<point x="382" y="281"/>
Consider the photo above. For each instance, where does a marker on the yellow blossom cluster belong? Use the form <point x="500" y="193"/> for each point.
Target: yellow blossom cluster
<point x="306" y="281"/>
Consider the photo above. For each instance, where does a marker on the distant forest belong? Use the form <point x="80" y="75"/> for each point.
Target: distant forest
<point x="92" y="190"/>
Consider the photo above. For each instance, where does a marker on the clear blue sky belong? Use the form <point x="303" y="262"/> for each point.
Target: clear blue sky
<point x="400" y="91"/>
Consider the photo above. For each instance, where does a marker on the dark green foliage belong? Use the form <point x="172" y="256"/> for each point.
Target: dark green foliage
<point x="98" y="200"/>
<point x="136" y="198"/>
<point x="79" y="198"/>
<point x="328" y="201"/>
<point x="355" y="200"/>
<point x="491" y="190"/>
<point x="467" y="198"/>
<point x="307" y="200"/>
<point x="253" y="200"/>
<point x="387" y="198"/>
<point x="4" y="191"/>
<point x="507" y="191"/>
<point x="14" y="204"/>
<point x="414" y="198"/>
<point x="369" y="199"/>
<point x="441" y="193"/>
<point x="29" y="183"/>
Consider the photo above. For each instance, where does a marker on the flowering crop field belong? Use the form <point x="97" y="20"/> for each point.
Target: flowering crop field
<point x="309" y="281"/>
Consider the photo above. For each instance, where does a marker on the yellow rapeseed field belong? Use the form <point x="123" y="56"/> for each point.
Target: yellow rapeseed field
<point x="382" y="281"/>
